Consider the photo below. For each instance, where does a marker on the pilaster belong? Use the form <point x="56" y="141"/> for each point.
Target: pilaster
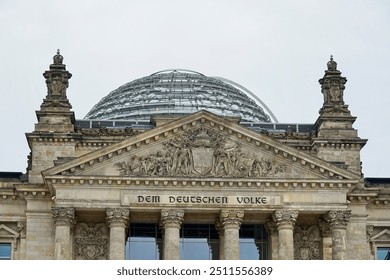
<point x="338" y="221"/>
<point x="326" y="234"/>
<point x="64" y="217"/>
<point x="221" y="233"/>
<point x="273" y="237"/>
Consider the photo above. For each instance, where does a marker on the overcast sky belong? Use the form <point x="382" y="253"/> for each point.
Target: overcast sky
<point x="276" y="49"/>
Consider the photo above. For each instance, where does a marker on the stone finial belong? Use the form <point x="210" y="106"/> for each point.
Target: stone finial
<point x="332" y="65"/>
<point x="332" y="87"/>
<point x="58" y="58"/>
<point x="57" y="81"/>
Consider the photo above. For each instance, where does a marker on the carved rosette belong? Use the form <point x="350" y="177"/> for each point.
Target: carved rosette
<point x="117" y="217"/>
<point x="91" y="241"/>
<point x="231" y="218"/>
<point x="64" y="216"/>
<point x="171" y="218"/>
<point x="285" y="217"/>
<point x="338" y="219"/>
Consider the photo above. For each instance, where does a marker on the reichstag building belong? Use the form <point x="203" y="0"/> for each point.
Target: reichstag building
<point x="179" y="165"/>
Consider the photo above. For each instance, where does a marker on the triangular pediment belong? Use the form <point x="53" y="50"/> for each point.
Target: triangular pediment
<point x="382" y="236"/>
<point x="202" y="146"/>
<point x="7" y="232"/>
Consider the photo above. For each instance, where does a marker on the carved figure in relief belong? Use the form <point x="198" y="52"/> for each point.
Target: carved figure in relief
<point x="183" y="161"/>
<point x="221" y="162"/>
<point x="200" y="152"/>
<point x="244" y="165"/>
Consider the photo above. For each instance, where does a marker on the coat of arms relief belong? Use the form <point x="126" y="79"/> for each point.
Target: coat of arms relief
<point x="201" y="152"/>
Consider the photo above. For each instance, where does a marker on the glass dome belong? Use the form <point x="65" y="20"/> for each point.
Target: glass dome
<point x="179" y="92"/>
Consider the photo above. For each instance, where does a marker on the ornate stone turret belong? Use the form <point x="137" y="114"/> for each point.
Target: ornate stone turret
<point x="335" y="139"/>
<point x="54" y="136"/>
<point x="55" y="114"/>
<point x="332" y="87"/>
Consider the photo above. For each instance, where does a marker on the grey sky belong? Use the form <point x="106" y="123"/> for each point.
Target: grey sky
<point x="276" y="49"/>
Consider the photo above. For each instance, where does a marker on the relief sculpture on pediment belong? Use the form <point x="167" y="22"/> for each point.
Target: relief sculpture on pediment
<point x="200" y="152"/>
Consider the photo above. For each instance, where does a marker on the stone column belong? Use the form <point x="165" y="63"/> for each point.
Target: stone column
<point x="171" y="220"/>
<point x="64" y="217"/>
<point x="221" y="233"/>
<point x="338" y="221"/>
<point x="231" y="221"/>
<point x="285" y="221"/>
<point x="117" y="220"/>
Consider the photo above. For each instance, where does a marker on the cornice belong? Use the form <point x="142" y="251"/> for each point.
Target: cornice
<point x="272" y="183"/>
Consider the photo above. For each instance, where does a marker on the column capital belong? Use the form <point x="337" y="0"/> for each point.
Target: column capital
<point x="63" y="216"/>
<point x="231" y="218"/>
<point x="285" y="217"/>
<point x="117" y="217"/>
<point x="338" y="219"/>
<point x="172" y="217"/>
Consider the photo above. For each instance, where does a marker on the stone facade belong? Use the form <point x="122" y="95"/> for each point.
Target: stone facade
<point x="84" y="187"/>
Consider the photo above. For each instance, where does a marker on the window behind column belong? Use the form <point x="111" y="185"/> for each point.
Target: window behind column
<point x="253" y="242"/>
<point x="144" y="242"/>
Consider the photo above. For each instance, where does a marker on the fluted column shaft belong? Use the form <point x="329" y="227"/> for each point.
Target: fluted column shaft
<point x="338" y="221"/>
<point x="64" y="218"/>
<point x="171" y="220"/>
<point x="231" y="221"/>
<point x="285" y="221"/>
<point x="117" y="220"/>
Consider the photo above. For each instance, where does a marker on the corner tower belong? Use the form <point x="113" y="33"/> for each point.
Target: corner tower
<point x="54" y="133"/>
<point x="335" y="140"/>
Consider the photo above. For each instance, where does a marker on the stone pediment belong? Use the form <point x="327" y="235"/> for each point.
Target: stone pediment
<point x="383" y="236"/>
<point x="201" y="146"/>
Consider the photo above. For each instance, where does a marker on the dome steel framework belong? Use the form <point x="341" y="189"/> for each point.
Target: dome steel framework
<point x="179" y="92"/>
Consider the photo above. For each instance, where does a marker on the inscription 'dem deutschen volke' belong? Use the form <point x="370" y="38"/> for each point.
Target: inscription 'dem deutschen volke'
<point x="172" y="199"/>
